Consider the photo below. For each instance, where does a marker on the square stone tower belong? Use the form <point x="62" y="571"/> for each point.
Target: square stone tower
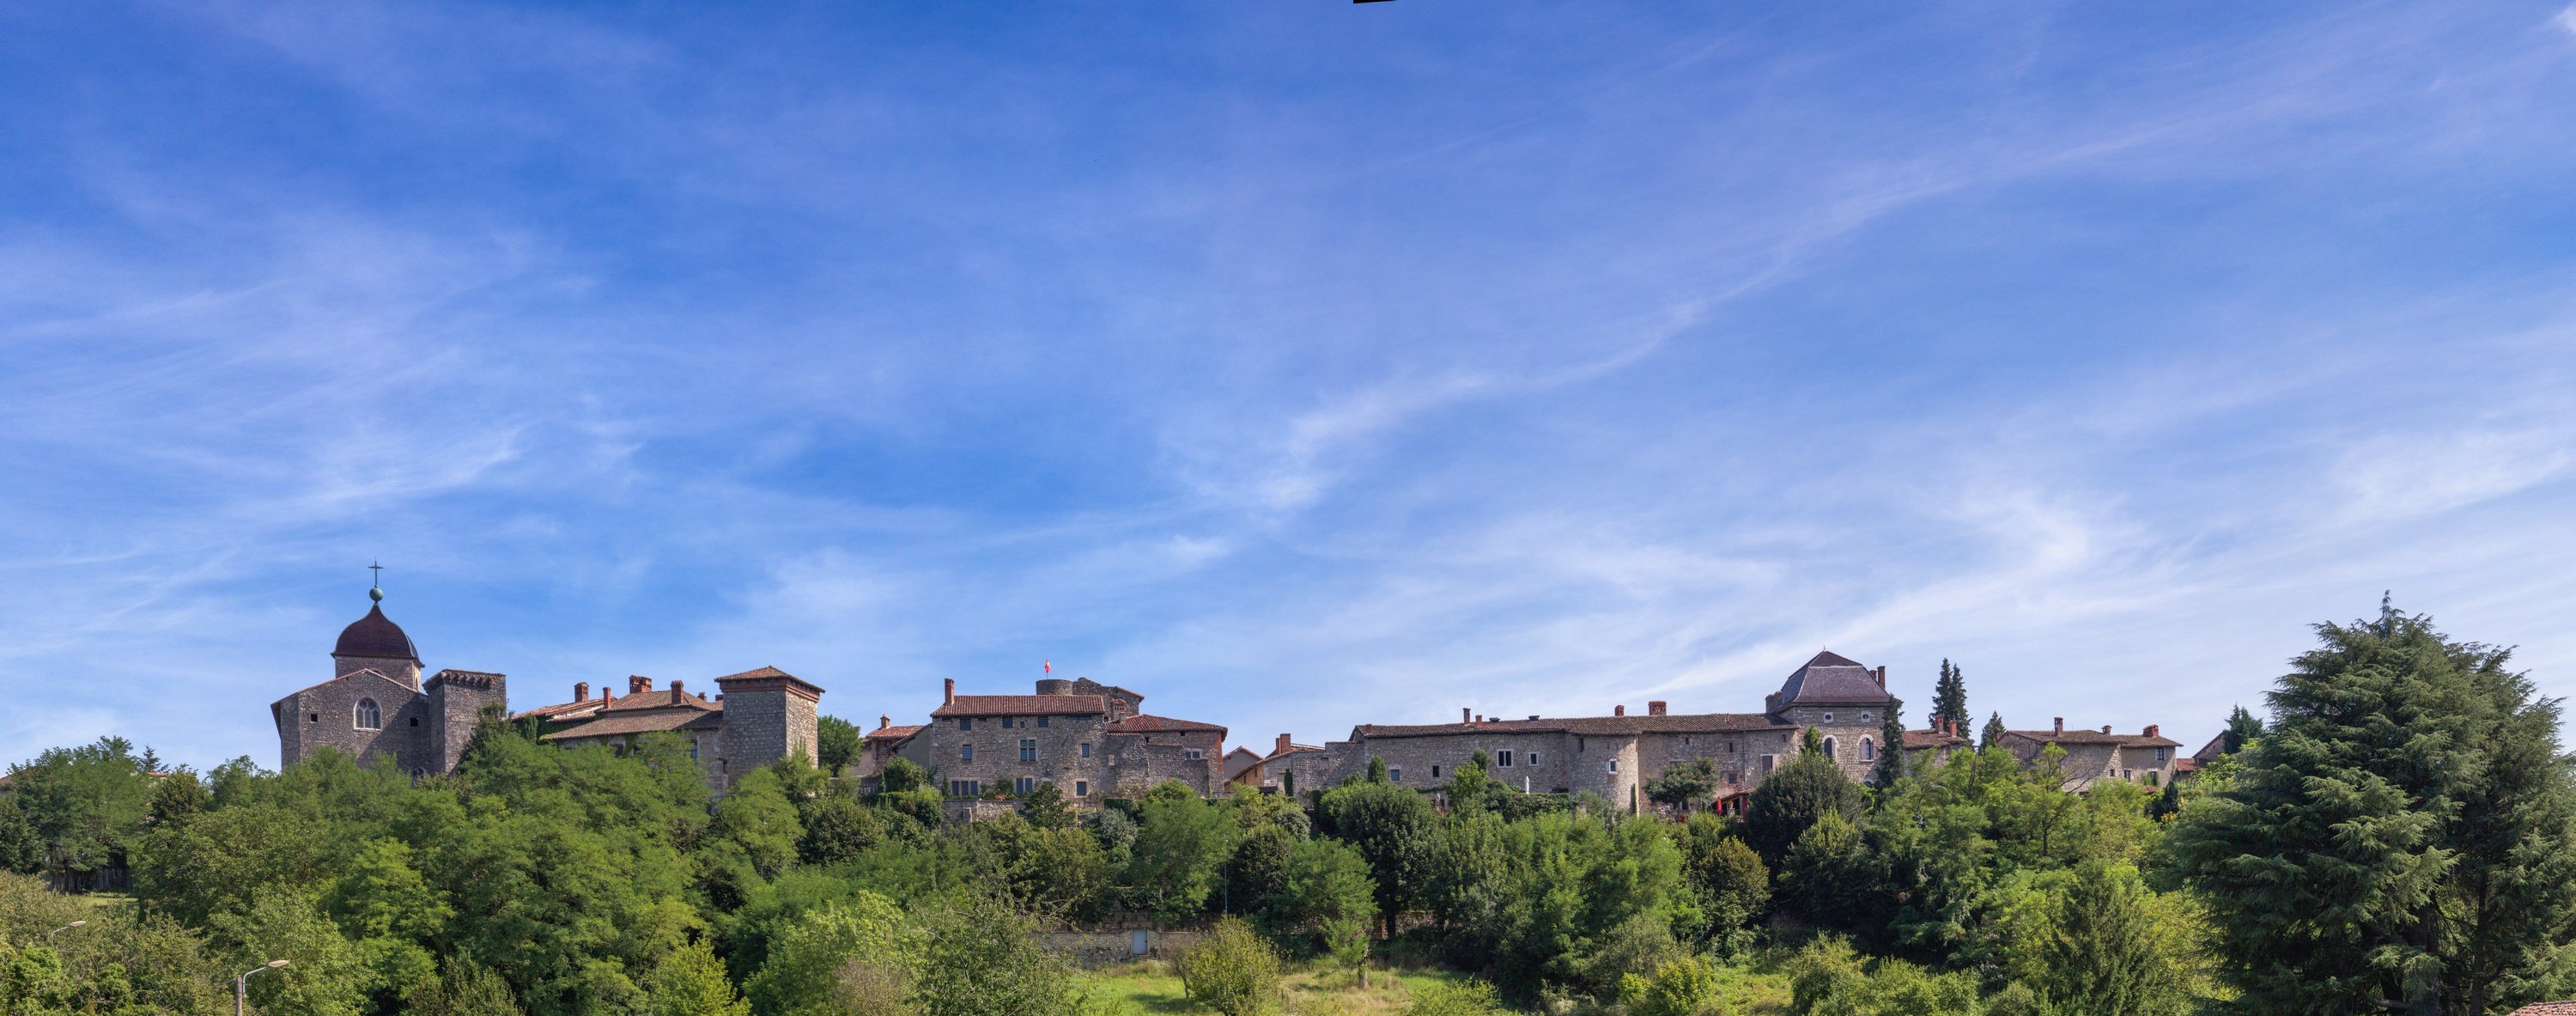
<point x="769" y="714"/>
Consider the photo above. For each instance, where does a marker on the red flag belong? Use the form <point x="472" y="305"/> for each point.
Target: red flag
<point x="1050" y="666"/>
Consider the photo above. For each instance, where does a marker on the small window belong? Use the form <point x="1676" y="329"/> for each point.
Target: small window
<point x="415" y="721"/>
<point x="1503" y="759"/>
<point x="1864" y="716"/>
<point x="1529" y="758"/>
<point x="965" y="753"/>
<point x="1042" y="722"/>
<point x="316" y="717"/>
<point x="1868" y="751"/>
<point x="2160" y="756"/>
<point x="693" y="749"/>
<point x="1028" y="749"/>
<point x="965" y="723"/>
<point x="1006" y="723"/>
<point x="1435" y="772"/>
<point x="1830" y="752"/>
<point x="1026" y="785"/>
<point x="1082" y="788"/>
<point x="1614" y="765"/>
<point x="369" y="717"/>
<point x="1395" y="774"/>
<point x="1829" y="717"/>
<point x="1193" y="754"/>
<point x="1086" y="750"/>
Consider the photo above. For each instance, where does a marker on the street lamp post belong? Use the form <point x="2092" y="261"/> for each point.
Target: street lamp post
<point x="241" y="983"/>
<point x="49" y="936"/>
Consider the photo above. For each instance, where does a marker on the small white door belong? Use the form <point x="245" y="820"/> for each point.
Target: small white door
<point x="1136" y="942"/>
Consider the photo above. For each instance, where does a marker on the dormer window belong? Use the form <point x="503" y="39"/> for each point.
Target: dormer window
<point x="368" y="716"/>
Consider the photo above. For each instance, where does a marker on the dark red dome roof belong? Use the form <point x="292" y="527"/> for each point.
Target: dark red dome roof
<point x="377" y="636"/>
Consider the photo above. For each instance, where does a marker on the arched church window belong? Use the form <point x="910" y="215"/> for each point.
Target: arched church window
<point x="1829" y="748"/>
<point x="370" y="717"/>
<point x="1868" y="751"/>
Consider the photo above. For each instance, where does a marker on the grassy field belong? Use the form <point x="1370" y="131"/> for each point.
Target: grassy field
<point x="1149" y="988"/>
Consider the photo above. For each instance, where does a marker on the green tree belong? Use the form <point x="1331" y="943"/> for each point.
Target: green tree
<point x="1689" y="986"/>
<point x="1180" y="852"/>
<point x="1827" y="875"/>
<point x="88" y="804"/>
<point x="1459" y="998"/>
<point x="1950" y="697"/>
<point x="1994" y="731"/>
<point x="1325" y="896"/>
<point x="1684" y="785"/>
<point x="808" y="958"/>
<point x="1232" y="970"/>
<point x="2403" y="836"/>
<point x="1810" y="787"/>
<point x="177" y="799"/>
<point x="837" y="743"/>
<point x="980" y="959"/>
<point x="1732" y="885"/>
<point x="1258" y="868"/>
<point x="690" y="981"/>
<point x="465" y="988"/>
<point x="1891" y="745"/>
<point x="2242" y="728"/>
<point x="22" y="849"/>
<point x="838" y="828"/>
<point x="1392" y="827"/>
<point x="1045" y="808"/>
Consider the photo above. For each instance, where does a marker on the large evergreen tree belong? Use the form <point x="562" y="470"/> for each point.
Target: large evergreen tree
<point x="1891" y="745"/>
<point x="2241" y="728"/>
<point x="1950" y="697"/>
<point x="1994" y="731"/>
<point x="2402" y="838"/>
<point x="1783" y="806"/>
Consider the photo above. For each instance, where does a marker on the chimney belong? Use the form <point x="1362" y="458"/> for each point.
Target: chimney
<point x="606" y="694"/>
<point x="1533" y="716"/>
<point x="2151" y="730"/>
<point x="884" y="721"/>
<point x="2106" y="728"/>
<point x="1283" y="746"/>
<point x="949" y="691"/>
<point x="581" y="691"/>
<point x="1480" y="717"/>
<point x="2061" y="725"/>
<point x="1655" y="708"/>
<point x="1618" y="710"/>
<point x="1881" y="674"/>
<point x="1466" y="715"/>
<point x="637" y="684"/>
<point x="678" y="697"/>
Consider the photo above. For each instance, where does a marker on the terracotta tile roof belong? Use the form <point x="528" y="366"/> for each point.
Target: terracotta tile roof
<point x="1294" y="749"/>
<point x="656" y="700"/>
<point x="1594" y="726"/>
<point x="894" y="733"/>
<point x="1835" y="679"/>
<point x="1933" y="739"/>
<point x="2186" y="764"/>
<point x="2095" y="737"/>
<point x="641" y="722"/>
<point x="1142" y="724"/>
<point x="560" y="709"/>
<point x="1022" y="705"/>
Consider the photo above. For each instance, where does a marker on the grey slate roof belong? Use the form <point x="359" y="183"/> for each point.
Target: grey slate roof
<point x="1832" y="679"/>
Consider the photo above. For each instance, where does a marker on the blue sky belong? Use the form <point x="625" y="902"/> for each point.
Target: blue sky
<point x="1297" y="363"/>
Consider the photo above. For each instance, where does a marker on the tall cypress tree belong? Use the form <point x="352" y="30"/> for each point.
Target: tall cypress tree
<point x="1891" y="745"/>
<point x="2241" y="727"/>
<point x="1994" y="730"/>
<point x="2402" y="838"/>
<point x="1950" y="696"/>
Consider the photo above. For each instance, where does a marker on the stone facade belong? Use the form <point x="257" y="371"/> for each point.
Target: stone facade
<point x="2091" y="756"/>
<point x="758" y="717"/>
<point x="1614" y="755"/>
<point x="376" y="708"/>
<point x="1091" y="740"/>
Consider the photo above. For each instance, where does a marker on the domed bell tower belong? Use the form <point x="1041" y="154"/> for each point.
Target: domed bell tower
<point x="376" y="643"/>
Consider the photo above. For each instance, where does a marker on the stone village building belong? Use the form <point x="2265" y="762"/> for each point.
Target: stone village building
<point x="376" y="708"/>
<point x="1092" y="740"/>
<point x="1613" y="755"/>
<point x="2092" y="756"/>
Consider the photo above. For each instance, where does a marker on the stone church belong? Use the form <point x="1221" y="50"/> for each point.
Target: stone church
<point x="376" y="707"/>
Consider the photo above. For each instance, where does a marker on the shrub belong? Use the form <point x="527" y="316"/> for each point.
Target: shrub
<point x="1233" y="970"/>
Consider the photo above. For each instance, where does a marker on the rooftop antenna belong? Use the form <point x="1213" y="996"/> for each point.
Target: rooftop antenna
<point x="376" y="591"/>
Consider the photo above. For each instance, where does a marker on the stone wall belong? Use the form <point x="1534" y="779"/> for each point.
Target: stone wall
<point x="455" y="703"/>
<point x="1057" y="753"/>
<point x="405" y="672"/>
<point x="326" y="714"/>
<point x="1107" y="947"/>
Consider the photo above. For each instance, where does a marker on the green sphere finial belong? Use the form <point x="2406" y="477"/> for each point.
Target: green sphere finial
<point x="376" y="586"/>
<point x="376" y="593"/>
